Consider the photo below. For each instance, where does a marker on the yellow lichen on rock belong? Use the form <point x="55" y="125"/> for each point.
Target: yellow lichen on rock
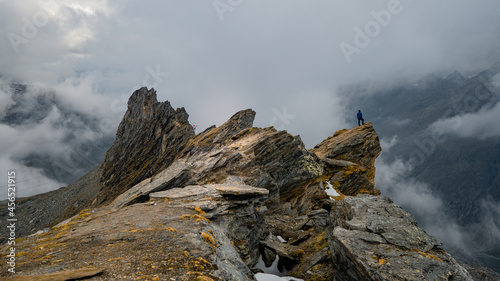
<point x="202" y="260"/>
<point x="339" y="132"/>
<point x="427" y="255"/>
<point x="351" y="170"/>
<point x="196" y="218"/>
<point x="208" y="238"/>
<point x="199" y="210"/>
<point x="204" y="278"/>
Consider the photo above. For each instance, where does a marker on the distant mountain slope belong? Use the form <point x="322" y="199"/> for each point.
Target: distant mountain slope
<point x="53" y="138"/>
<point x="457" y="159"/>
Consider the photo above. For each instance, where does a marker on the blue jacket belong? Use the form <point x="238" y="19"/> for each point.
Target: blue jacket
<point x="360" y="115"/>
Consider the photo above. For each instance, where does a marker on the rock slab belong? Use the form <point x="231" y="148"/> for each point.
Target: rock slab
<point x="372" y="238"/>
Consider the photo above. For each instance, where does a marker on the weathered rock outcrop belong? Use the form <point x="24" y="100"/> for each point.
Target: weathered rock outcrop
<point x="349" y="157"/>
<point x="374" y="239"/>
<point x="236" y="209"/>
<point x="251" y="154"/>
<point x="208" y="206"/>
<point x="156" y="240"/>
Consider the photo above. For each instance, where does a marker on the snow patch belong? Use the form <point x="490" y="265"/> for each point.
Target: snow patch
<point x="273" y="269"/>
<point x="282" y="240"/>
<point x="330" y="190"/>
<point x="271" y="277"/>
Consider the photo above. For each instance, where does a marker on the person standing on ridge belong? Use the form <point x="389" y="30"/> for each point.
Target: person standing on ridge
<point x="360" y="118"/>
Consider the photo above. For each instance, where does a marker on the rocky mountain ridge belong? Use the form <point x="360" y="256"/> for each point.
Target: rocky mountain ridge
<point x="167" y="204"/>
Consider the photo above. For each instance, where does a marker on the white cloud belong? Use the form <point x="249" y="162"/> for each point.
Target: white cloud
<point x="481" y="124"/>
<point x="46" y="137"/>
<point x="79" y="95"/>
<point x="392" y="178"/>
<point x="495" y="81"/>
<point x="57" y="130"/>
<point x="387" y="144"/>
<point x="417" y="198"/>
<point x="400" y="122"/>
<point x="5" y="98"/>
<point x="29" y="181"/>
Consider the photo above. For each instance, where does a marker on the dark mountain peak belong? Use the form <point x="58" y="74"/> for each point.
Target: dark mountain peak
<point x="144" y="105"/>
<point x="457" y="76"/>
<point x="238" y="122"/>
<point x="242" y="119"/>
<point x="182" y="115"/>
<point x="143" y="95"/>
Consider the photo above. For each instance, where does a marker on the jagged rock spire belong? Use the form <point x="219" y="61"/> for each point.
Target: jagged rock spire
<point x="149" y="137"/>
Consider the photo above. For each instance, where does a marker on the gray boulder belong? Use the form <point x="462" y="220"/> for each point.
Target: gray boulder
<point x="372" y="238"/>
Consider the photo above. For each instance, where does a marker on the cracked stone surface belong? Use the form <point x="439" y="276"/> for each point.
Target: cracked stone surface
<point x="372" y="238"/>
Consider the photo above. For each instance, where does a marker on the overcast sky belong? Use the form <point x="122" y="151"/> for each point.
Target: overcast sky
<point x="285" y="58"/>
<point x="217" y="57"/>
